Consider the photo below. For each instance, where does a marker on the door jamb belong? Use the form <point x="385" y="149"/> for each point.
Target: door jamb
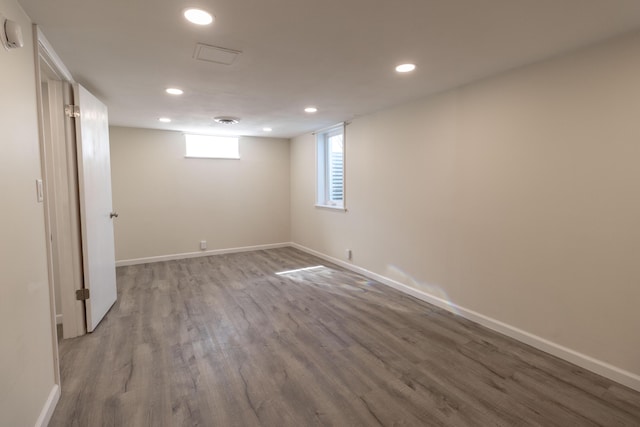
<point x="47" y="216"/>
<point x="43" y="51"/>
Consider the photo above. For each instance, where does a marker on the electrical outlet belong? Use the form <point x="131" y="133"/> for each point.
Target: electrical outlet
<point x="349" y="254"/>
<point x="203" y="244"/>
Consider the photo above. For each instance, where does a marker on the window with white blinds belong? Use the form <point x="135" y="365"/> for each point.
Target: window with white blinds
<point x="330" y="167"/>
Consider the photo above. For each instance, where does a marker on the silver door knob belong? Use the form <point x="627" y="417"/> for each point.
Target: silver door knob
<point x="113" y="215"/>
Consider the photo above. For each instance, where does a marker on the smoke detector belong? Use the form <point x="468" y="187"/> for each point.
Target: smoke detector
<point x="226" y="120"/>
<point x="10" y="33"/>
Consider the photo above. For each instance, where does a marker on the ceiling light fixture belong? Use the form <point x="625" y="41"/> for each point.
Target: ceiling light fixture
<point x="267" y="129"/>
<point x="405" y="68"/>
<point x="174" y="91"/>
<point x="226" y="120"/>
<point x="198" y="16"/>
<point x="164" y="120"/>
<point x="311" y="110"/>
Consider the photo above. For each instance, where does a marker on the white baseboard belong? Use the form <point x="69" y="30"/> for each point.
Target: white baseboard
<point x="172" y="257"/>
<point x="614" y="373"/>
<point x="58" y="319"/>
<point x="49" y="407"/>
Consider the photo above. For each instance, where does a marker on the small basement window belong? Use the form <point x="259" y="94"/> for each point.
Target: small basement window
<point x="330" y="167"/>
<point x="212" y="147"/>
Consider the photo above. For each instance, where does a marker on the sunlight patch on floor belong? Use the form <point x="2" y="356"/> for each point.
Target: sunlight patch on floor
<point x="297" y="270"/>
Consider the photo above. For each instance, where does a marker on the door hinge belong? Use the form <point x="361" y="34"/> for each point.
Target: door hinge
<point x="72" y="111"/>
<point x="82" y="294"/>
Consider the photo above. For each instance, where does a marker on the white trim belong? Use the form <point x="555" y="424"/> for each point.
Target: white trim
<point x="49" y="407"/>
<point x="49" y="54"/>
<point x="335" y="208"/>
<point x="58" y="319"/>
<point x="186" y="255"/>
<point x="607" y="370"/>
<point x="330" y="128"/>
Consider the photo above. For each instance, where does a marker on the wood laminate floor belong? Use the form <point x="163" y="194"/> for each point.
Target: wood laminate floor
<point x="225" y="341"/>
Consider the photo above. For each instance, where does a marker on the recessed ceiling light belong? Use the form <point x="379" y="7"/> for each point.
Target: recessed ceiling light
<point x="311" y="110"/>
<point x="267" y="129"/>
<point x="405" y="68"/>
<point x="174" y="91"/>
<point x="226" y="120"/>
<point x="164" y="120"/>
<point x="198" y="16"/>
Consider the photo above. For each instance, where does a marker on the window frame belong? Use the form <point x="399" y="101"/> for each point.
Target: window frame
<point x="214" y="137"/>
<point x="323" y="175"/>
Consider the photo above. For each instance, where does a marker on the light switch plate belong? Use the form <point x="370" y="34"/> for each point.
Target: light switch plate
<point x="39" y="190"/>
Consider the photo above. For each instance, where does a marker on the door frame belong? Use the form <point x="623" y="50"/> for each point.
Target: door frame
<point x="60" y="191"/>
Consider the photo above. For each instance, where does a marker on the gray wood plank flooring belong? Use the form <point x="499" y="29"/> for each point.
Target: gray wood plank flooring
<point x="225" y="341"/>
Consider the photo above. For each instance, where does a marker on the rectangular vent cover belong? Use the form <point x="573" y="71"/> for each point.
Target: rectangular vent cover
<point x="219" y="55"/>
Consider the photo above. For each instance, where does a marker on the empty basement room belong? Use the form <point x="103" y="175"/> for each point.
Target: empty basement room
<point x="291" y="213"/>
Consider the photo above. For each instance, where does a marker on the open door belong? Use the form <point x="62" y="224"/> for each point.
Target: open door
<point x="96" y="211"/>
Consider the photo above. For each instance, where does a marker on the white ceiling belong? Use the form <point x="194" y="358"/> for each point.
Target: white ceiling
<point x="338" y="55"/>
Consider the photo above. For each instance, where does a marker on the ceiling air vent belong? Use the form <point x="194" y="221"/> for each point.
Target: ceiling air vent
<point x="219" y="55"/>
<point x="226" y="120"/>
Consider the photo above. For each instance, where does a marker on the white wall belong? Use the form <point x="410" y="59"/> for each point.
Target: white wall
<point x="26" y="353"/>
<point x="168" y="203"/>
<point x="517" y="197"/>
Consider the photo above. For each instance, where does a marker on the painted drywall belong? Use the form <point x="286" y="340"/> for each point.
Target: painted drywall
<point x="26" y="356"/>
<point x="168" y="203"/>
<point x="517" y="197"/>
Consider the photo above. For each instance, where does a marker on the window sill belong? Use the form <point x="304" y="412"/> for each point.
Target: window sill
<point x="333" y="208"/>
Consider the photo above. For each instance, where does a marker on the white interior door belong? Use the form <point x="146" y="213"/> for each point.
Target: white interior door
<point x="94" y="179"/>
